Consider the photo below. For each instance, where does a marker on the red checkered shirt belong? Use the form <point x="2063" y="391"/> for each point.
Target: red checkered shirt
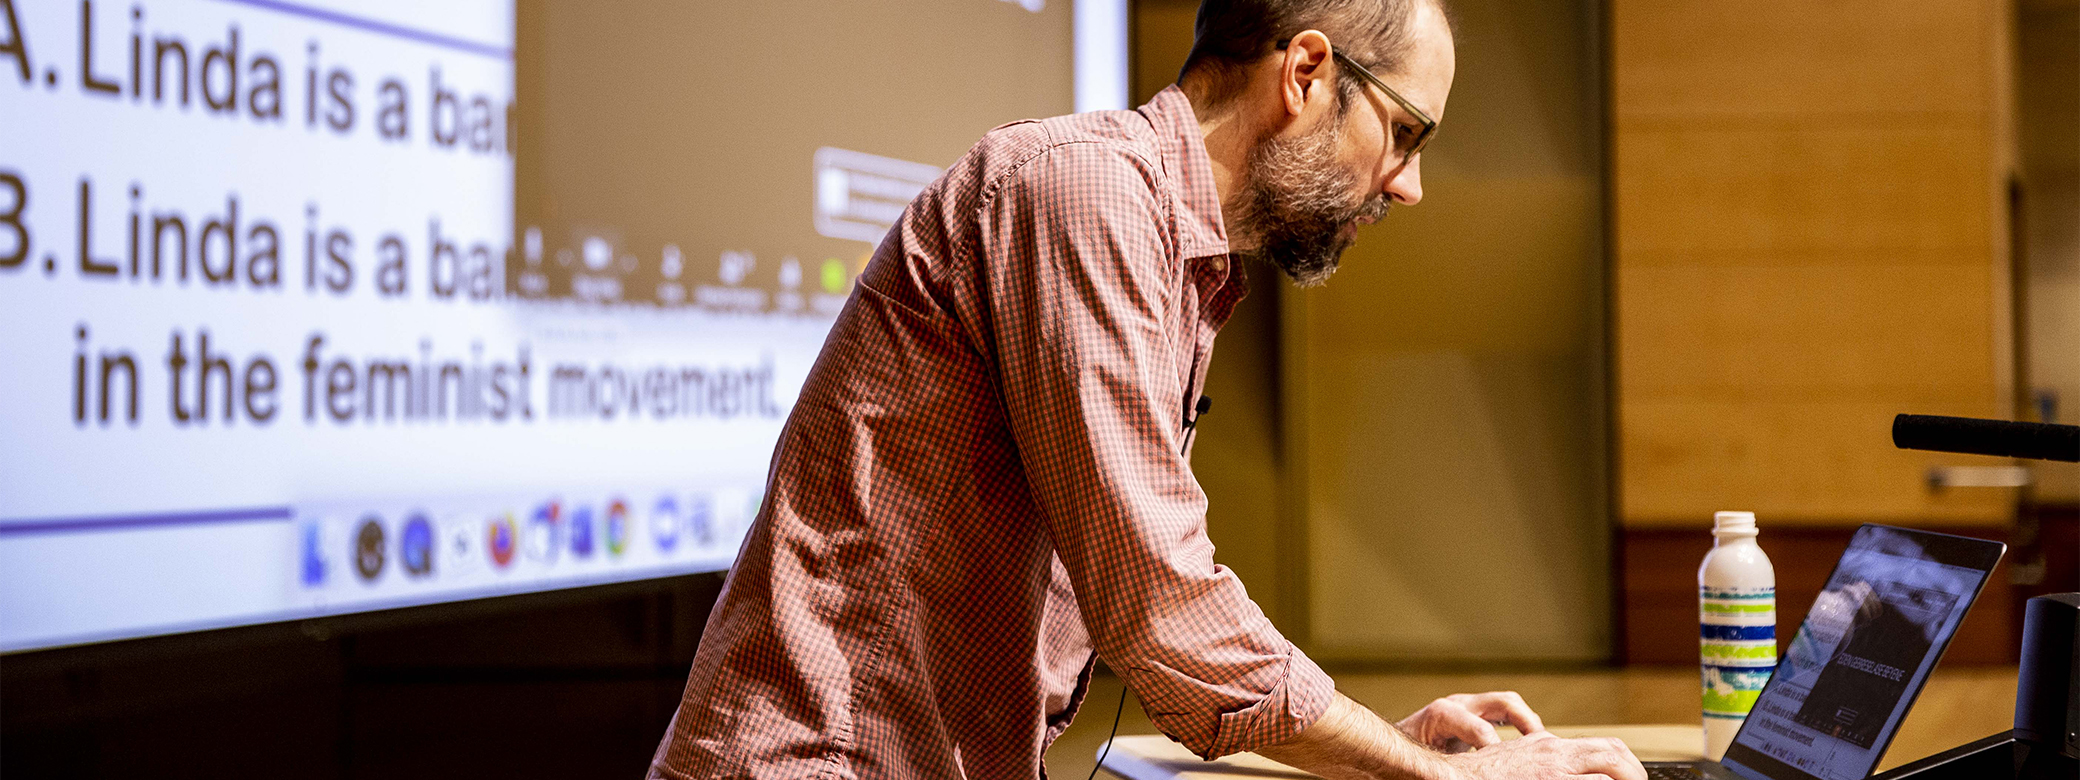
<point x="983" y="480"/>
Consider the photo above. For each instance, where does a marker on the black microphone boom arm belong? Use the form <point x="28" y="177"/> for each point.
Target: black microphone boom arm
<point x="2000" y="438"/>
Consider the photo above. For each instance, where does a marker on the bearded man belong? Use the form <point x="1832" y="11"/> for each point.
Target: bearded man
<point x="984" y="487"/>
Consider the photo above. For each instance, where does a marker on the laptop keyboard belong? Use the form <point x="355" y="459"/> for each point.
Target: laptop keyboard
<point x="1677" y="772"/>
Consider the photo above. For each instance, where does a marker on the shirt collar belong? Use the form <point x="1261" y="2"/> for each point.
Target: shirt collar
<point x="1234" y="286"/>
<point x="1200" y="230"/>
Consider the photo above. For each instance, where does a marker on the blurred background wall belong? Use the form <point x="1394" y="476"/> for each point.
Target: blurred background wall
<point x="1815" y="229"/>
<point x="1450" y="385"/>
<point x="1818" y="215"/>
<point x="1444" y="392"/>
<point x="2047" y="261"/>
<point x="2048" y="241"/>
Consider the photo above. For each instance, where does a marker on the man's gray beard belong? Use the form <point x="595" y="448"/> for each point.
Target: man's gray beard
<point x="1297" y="200"/>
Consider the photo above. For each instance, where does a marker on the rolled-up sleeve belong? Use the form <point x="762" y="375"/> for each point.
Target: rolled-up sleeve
<point x="1086" y="319"/>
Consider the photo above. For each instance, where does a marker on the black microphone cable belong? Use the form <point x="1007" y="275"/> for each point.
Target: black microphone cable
<point x="1115" y="729"/>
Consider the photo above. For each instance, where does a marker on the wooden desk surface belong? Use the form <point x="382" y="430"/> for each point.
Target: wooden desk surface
<point x="1960" y="704"/>
<point x="1155" y="757"/>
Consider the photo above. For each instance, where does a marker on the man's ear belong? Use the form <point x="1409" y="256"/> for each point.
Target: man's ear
<point x="1303" y="72"/>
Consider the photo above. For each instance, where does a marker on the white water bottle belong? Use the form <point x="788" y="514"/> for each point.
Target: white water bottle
<point x="1737" y="626"/>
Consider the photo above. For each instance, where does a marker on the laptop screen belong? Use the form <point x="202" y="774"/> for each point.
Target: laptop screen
<point x="1862" y="654"/>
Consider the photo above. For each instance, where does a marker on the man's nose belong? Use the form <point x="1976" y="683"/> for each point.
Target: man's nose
<point x="1405" y="185"/>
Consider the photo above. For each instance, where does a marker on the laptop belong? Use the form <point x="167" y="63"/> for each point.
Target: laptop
<point x="1859" y="659"/>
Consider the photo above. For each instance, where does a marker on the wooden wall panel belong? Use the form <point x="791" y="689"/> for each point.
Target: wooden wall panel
<point x="1810" y="228"/>
<point x="1904" y="333"/>
<point x="1800" y="58"/>
<point x="1806" y="463"/>
<point x="1781" y="191"/>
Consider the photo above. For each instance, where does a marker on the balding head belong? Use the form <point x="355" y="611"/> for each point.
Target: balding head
<point x="1231" y="34"/>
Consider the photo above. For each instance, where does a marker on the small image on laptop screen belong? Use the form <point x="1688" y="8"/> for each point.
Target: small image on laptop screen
<point x="1870" y="640"/>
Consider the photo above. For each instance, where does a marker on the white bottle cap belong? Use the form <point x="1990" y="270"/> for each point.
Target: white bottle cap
<point x="1733" y="524"/>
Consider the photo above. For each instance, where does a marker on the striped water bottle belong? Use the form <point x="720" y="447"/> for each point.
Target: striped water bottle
<point x="1737" y="617"/>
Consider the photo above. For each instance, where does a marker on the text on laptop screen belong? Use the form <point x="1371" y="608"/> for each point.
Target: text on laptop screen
<point x="1869" y="641"/>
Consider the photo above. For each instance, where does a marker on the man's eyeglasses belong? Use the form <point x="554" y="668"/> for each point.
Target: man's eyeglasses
<point x="1428" y="126"/>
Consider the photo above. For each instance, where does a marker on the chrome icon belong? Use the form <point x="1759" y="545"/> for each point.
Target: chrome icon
<point x="415" y="545"/>
<point x="664" y="523"/>
<point x="368" y="548"/>
<point x="499" y="539"/>
<point x="581" y="530"/>
<point x="544" y="536"/>
<point x="616" y="529"/>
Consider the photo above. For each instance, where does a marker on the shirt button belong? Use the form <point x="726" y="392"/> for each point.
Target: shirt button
<point x="1218" y="264"/>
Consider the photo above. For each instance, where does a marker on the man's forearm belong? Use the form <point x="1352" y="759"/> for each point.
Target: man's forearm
<point x="1349" y="741"/>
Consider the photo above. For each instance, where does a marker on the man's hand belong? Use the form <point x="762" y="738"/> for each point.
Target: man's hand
<point x="1351" y="742"/>
<point x="1469" y="718"/>
<point x="1542" y="756"/>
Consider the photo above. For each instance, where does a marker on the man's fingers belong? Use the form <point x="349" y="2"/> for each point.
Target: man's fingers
<point x="1639" y="770"/>
<point x="1505" y="706"/>
<point x="1542" y="753"/>
<point x="1518" y="713"/>
<point x="1613" y="758"/>
<point x="1464" y="724"/>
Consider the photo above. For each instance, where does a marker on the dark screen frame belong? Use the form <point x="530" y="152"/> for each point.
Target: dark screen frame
<point x="1966" y="552"/>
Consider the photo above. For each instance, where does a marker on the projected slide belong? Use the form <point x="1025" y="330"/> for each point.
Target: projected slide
<point x="261" y="358"/>
<point x="325" y="306"/>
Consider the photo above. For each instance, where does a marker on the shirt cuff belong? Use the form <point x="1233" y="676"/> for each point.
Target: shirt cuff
<point x="1294" y="704"/>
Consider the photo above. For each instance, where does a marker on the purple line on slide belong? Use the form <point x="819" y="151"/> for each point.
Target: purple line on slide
<point x="116" y="522"/>
<point x="379" y="28"/>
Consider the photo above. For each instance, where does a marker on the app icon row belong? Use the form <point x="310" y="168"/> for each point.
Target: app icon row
<point x="553" y="532"/>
